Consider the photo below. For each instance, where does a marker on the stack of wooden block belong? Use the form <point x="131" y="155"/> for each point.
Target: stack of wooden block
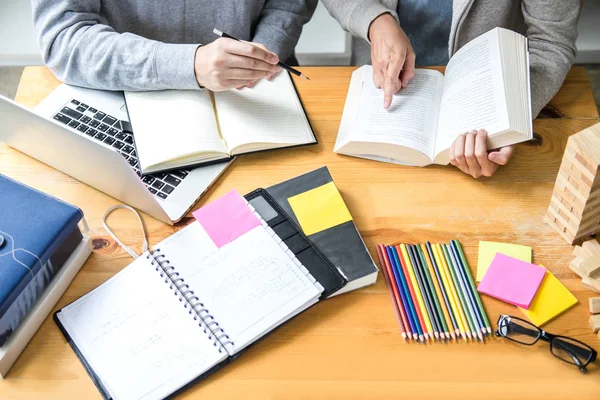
<point x="574" y="209"/>
<point x="595" y="318"/>
<point x="586" y="264"/>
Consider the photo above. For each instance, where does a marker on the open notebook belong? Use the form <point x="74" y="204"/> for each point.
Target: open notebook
<point x="485" y="86"/>
<point x="188" y="307"/>
<point x="181" y="128"/>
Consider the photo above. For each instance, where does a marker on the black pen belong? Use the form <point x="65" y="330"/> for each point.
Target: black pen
<point x="280" y="64"/>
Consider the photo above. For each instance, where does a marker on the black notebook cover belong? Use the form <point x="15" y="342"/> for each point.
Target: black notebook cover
<point x="312" y="259"/>
<point x="342" y="244"/>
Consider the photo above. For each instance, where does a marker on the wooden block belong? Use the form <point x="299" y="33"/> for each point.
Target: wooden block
<point x="590" y="284"/>
<point x="590" y="266"/>
<point x="591" y="247"/>
<point x="574" y="266"/>
<point x="595" y="305"/>
<point x="595" y="323"/>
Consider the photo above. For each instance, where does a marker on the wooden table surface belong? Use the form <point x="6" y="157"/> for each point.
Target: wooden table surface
<point x="349" y="347"/>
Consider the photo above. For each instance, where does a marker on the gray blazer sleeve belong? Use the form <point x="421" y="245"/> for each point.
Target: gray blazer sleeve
<point x="552" y="31"/>
<point x="281" y="23"/>
<point x="355" y="16"/>
<point x="82" y="50"/>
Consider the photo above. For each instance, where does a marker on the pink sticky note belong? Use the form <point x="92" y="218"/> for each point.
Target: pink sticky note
<point x="226" y="218"/>
<point x="512" y="280"/>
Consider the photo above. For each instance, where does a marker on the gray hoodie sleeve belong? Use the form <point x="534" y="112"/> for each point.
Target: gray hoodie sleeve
<point x="281" y="24"/>
<point x="552" y="31"/>
<point x="355" y="16"/>
<point x="82" y="50"/>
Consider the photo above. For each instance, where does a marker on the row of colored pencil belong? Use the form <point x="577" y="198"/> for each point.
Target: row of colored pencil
<point x="433" y="292"/>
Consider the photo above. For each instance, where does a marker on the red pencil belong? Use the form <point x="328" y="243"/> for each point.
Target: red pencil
<point x="393" y="291"/>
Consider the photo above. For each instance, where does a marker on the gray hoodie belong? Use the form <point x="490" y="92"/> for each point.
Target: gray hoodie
<point x="550" y="25"/>
<point x="150" y="45"/>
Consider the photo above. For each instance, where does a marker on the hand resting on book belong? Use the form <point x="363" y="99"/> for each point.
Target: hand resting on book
<point x="470" y="155"/>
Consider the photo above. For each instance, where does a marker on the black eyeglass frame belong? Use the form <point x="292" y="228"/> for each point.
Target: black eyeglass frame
<point x="550" y="338"/>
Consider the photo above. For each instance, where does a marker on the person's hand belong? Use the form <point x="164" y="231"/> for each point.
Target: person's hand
<point x="392" y="56"/>
<point x="226" y="64"/>
<point x="469" y="153"/>
<point x="268" y="77"/>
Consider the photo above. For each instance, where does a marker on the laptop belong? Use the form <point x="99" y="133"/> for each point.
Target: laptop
<point x="86" y="134"/>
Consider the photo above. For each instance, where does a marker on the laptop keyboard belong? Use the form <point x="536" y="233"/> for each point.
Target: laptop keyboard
<point x="108" y="129"/>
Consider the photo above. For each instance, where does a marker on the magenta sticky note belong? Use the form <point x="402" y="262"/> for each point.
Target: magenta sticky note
<point x="512" y="280"/>
<point x="226" y="218"/>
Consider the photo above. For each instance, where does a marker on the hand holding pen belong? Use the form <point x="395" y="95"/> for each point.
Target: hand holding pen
<point x="226" y="64"/>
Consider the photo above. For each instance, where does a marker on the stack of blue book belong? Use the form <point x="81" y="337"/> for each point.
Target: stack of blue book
<point x="38" y="236"/>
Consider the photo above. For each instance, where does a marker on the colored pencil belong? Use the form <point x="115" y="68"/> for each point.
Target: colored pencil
<point x="435" y="290"/>
<point x="413" y="279"/>
<point x="424" y="291"/>
<point x="433" y="299"/>
<point x="458" y="311"/>
<point x="416" y="313"/>
<point x="447" y="307"/>
<point x="475" y="333"/>
<point x="473" y="287"/>
<point x="393" y="292"/>
<point x="409" y="312"/>
<point x="478" y="318"/>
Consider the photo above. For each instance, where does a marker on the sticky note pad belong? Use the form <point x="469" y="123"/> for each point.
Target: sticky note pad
<point x="320" y="208"/>
<point x="551" y="299"/>
<point x="512" y="280"/>
<point x="226" y="218"/>
<point x="488" y="250"/>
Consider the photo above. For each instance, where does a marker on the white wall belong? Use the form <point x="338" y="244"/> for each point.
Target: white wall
<point x="323" y="42"/>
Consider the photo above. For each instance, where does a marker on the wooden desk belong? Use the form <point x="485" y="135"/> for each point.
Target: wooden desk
<point x="349" y="347"/>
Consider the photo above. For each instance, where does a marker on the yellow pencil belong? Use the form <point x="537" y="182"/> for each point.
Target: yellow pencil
<point x="438" y="292"/>
<point x="418" y="293"/>
<point x="460" y="317"/>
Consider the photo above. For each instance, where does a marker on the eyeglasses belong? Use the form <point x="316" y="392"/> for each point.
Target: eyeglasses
<point x="564" y="348"/>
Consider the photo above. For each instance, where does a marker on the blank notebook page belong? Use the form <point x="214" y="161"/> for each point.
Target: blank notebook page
<point x="270" y="112"/>
<point x="137" y="337"/>
<point x="250" y="285"/>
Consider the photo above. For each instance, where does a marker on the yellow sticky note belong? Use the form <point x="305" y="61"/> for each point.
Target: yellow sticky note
<point x="488" y="250"/>
<point x="551" y="299"/>
<point x="320" y="208"/>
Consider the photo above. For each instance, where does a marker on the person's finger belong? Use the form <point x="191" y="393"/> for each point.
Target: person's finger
<point x="251" y="84"/>
<point x="459" y="153"/>
<point x="249" y="50"/>
<point x="241" y="62"/>
<point x="408" y="70"/>
<point x="377" y="76"/>
<point x="227" y="84"/>
<point x="474" y="167"/>
<point x="451" y="156"/>
<point x="481" y="154"/>
<point x="391" y="83"/>
<point x="501" y="156"/>
<point x="273" y="75"/>
<point x="244" y="74"/>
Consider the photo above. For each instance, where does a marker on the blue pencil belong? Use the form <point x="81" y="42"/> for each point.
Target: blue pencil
<point x="395" y="282"/>
<point x="400" y="277"/>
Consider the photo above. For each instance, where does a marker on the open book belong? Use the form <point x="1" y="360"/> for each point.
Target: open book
<point x="181" y="128"/>
<point x="188" y="307"/>
<point x="486" y="86"/>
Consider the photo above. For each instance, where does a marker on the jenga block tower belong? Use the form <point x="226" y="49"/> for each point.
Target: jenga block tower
<point x="574" y="209"/>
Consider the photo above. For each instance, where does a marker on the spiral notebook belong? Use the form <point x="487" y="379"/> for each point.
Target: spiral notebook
<point x="190" y="306"/>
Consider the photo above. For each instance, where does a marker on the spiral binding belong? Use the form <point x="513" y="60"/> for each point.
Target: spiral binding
<point x="196" y="307"/>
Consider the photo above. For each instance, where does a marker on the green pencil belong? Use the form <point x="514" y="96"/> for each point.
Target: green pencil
<point x="429" y="282"/>
<point x="473" y="287"/>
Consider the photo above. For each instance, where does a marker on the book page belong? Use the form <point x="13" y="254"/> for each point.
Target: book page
<point x="473" y="95"/>
<point x="268" y="115"/>
<point x="137" y="337"/>
<point x="172" y="124"/>
<point x="250" y="285"/>
<point x="411" y="120"/>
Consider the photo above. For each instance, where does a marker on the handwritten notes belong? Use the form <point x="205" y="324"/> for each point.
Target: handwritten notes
<point x="226" y="218"/>
<point x="512" y="280"/>
<point x="320" y="208"/>
<point x="488" y="250"/>
<point x="551" y="300"/>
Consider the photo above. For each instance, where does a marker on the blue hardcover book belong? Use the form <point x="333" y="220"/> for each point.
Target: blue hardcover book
<point x="37" y="234"/>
